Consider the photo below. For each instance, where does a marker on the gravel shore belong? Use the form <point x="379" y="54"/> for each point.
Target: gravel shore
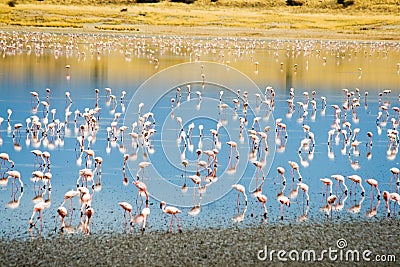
<point x="210" y="247"/>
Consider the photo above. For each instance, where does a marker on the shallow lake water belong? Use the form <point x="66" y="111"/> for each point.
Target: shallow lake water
<point x="208" y="73"/>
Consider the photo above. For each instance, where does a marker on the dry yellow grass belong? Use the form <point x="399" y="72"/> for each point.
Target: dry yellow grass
<point x="377" y="19"/>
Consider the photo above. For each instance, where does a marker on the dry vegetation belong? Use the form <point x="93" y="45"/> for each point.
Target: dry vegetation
<point x="378" y="19"/>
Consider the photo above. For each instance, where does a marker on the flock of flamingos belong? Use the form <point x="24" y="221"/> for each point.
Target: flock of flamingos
<point x="42" y="128"/>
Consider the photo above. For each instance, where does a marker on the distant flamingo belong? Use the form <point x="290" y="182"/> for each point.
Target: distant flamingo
<point x="4" y="157"/>
<point x="62" y="212"/>
<point x="69" y="195"/>
<point x="68" y="97"/>
<point x="328" y="183"/>
<point x="294" y="167"/>
<point x="16" y="175"/>
<point x="142" y="189"/>
<point x="35" y="95"/>
<point x="281" y="171"/>
<point x="395" y="172"/>
<point x="284" y="200"/>
<point x="184" y="162"/>
<point x="142" y="218"/>
<point x="304" y="187"/>
<point x="357" y="179"/>
<point x="374" y="183"/>
<point x="340" y="179"/>
<point x="240" y="188"/>
<point x="127" y="208"/>
<point x="89" y="214"/>
<point x="232" y="145"/>
<point x="330" y="201"/>
<point x="173" y="211"/>
<point x="142" y="165"/>
<point x="38" y="208"/>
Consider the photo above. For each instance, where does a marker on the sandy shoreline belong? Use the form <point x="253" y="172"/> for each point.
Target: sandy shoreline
<point x="215" y="247"/>
<point x="222" y="32"/>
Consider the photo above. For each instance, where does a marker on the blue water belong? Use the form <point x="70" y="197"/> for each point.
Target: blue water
<point x="150" y="69"/>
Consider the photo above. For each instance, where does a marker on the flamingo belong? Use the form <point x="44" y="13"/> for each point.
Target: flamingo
<point x="69" y="195"/>
<point x="395" y="172"/>
<point x="330" y="201"/>
<point x="142" y="189"/>
<point x="62" y="212"/>
<point x="304" y="188"/>
<point x="142" y="218"/>
<point x="127" y="208"/>
<point x="327" y="182"/>
<point x="173" y="211"/>
<point x="263" y="200"/>
<point x="232" y="145"/>
<point x="374" y="183"/>
<point x="284" y="200"/>
<point x="240" y="188"/>
<point x="38" y="208"/>
<point x="16" y="175"/>
<point x="68" y="96"/>
<point x="35" y="95"/>
<point x="357" y="179"/>
<point x="281" y="171"/>
<point x="340" y="179"/>
<point x="4" y="157"/>
<point x="294" y="167"/>
<point x="184" y="162"/>
<point x="142" y="165"/>
<point x="89" y="214"/>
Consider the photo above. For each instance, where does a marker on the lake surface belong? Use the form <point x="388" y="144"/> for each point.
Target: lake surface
<point x="150" y="69"/>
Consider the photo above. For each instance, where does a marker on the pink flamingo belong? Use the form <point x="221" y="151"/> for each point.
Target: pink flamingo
<point x="142" y="217"/>
<point x="127" y="208"/>
<point x="304" y="188"/>
<point x="62" y="212"/>
<point x="395" y="172"/>
<point x="281" y="171"/>
<point x="233" y="145"/>
<point x="16" y="175"/>
<point x="173" y="211"/>
<point x="357" y="179"/>
<point x="263" y="200"/>
<point x="330" y="201"/>
<point x="374" y="183"/>
<point x="340" y="179"/>
<point x="38" y="208"/>
<point x="294" y="167"/>
<point x="240" y="188"/>
<point x="69" y="195"/>
<point x="328" y="183"/>
<point x="284" y="200"/>
<point x="89" y="214"/>
<point x="142" y="189"/>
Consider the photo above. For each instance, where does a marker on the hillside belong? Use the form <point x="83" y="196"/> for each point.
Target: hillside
<point x="366" y="19"/>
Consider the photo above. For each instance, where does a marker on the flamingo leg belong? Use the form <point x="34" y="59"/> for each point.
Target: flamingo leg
<point x="170" y="225"/>
<point x="179" y="224"/>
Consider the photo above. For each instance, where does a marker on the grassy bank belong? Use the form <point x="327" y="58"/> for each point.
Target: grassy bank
<point x="368" y="19"/>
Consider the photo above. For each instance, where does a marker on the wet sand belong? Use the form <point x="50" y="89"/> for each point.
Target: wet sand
<point x="210" y="247"/>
